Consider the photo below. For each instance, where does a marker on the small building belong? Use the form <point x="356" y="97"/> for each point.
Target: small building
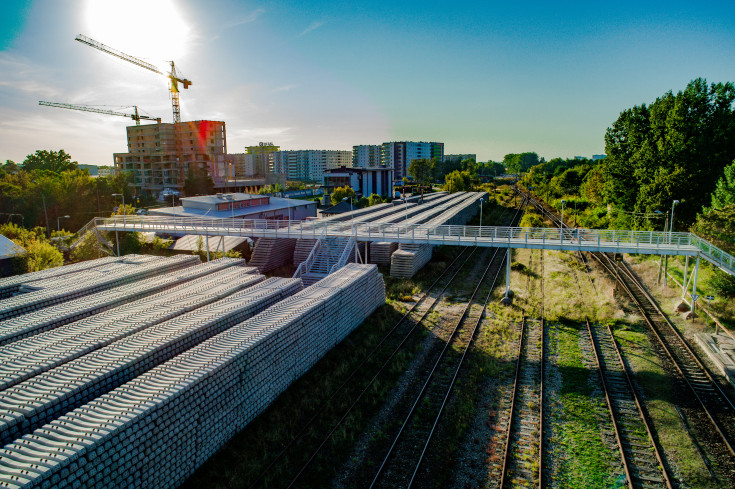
<point x="9" y="252"/>
<point x="364" y="181"/>
<point x="239" y="205"/>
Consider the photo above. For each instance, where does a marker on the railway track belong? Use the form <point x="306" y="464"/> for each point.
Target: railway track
<point x="711" y="411"/>
<point x="376" y="361"/>
<point x="523" y="456"/>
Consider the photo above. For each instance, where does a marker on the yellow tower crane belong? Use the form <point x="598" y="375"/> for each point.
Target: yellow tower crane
<point x="172" y="75"/>
<point x="96" y="108"/>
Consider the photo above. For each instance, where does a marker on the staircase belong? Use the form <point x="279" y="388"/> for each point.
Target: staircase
<point x="332" y="254"/>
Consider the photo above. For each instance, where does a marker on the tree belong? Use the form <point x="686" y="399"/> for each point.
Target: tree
<point x="198" y="181"/>
<point x="340" y="193"/>
<point x="374" y="199"/>
<point x="676" y="148"/>
<point x="56" y="162"/>
<point x="458" y="181"/>
<point x="520" y="162"/>
<point x="421" y="170"/>
<point x="724" y="193"/>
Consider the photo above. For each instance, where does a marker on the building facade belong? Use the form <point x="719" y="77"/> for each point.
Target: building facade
<point x="307" y="165"/>
<point x="364" y="181"/>
<point x="398" y="155"/>
<point x="367" y="156"/>
<point x="160" y="155"/>
<point x="460" y="158"/>
<point x="239" y="205"/>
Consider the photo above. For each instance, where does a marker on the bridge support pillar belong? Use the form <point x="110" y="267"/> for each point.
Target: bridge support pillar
<point x="694" y="285"/>
<point x="684" y="281"/>
<point x="207" y="247"/>
<point x="508" y="297"/>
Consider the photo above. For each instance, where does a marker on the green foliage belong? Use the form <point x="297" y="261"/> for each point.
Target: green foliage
<point x="88" y="249"/>
<point x="532" y="220"/>
<point x="374" y="199"/>
<point x="722" y="284"/>
<point x="520" y="162"/>
<point x="421" y="170"/>
<point x="198" y="181"/>
<point x="458" y="181"/>
<point x="40" y="253"/>
<point x="340" y="193"/>
<point x="718" y="226"/>
<point x="676" y="148"/>
<point x="53" y="161"/>
<point x="724" y="193"/>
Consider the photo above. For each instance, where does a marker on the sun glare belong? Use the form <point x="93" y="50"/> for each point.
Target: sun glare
<point x="154" y="30"/>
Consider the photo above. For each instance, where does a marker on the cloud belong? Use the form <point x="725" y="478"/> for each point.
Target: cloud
<point x="312" y="27"/>
<point x="249" y="18"/>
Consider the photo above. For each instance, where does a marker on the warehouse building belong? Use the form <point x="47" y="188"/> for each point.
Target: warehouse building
<point x="239" y="205"/>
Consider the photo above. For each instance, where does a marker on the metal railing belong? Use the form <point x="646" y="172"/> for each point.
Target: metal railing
<point x="657" y="242"/>
<point x="305" y="265"/>
<point x="342" y="260"/>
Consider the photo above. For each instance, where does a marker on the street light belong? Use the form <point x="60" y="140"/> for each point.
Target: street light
<point x="117" y="237"/>
<point x="481" y="201"/>
<point x="561" y="223"/>
<point x="43" y="197"/>
<point x="58" y="223"/>
<point x="671" y="228"/>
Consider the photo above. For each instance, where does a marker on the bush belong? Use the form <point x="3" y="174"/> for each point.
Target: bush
<point x="723" y="284"/>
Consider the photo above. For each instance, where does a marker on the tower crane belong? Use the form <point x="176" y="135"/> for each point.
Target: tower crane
<point x="172" y="75"/>
<point x="92" y="108"/>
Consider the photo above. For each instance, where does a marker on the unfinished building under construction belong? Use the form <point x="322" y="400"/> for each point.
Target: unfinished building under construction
<point x="160" y="155"/>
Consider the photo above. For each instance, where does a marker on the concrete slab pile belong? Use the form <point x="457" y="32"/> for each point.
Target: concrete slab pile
<point x="44" y="319"/>
<point x="380" y="252"/>
<point x="10" y="285"/>
<point x="155" y="430"/>
<point x="101" y="278"/>
<point x="302" y="250"/>
<point x="29" y="356"/>
<point x="271" y="253"/>
<point x="34" y="402"/>
<point x="410" y="258"/>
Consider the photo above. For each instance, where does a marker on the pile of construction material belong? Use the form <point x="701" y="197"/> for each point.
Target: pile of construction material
<point x="54" y="290"/>
<point x="380" y="252"/>
<point x="44" y="319"/>
<point x="410" y="258"/>
<point x="156" y="429"/>
<point x="302" y="250"/>
<point x="272" y="253"/>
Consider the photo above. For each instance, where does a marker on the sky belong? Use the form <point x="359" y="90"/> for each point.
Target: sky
<point x="488" y="77"/>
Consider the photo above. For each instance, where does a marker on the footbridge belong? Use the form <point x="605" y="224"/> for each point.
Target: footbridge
<point x="571" y="239"/>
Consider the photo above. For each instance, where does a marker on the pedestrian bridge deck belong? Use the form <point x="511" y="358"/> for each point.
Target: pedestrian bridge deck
<point x="613" y="241"/>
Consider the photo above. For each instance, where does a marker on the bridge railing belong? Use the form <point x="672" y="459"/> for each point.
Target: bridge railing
<point x="713" y="254"/>
<point x="404" y="232"/>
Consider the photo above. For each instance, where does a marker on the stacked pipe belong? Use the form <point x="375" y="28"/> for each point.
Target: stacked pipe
<point x="157" y="429"/>
<point x="10" y="285"/>
<point x="102" y="278"/>
<point x="44" y="319"/>
<point x="29" y="356"/>
<point x="34" y="402"/>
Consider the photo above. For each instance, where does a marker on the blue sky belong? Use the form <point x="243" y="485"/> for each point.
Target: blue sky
<point x="483" y="77"/>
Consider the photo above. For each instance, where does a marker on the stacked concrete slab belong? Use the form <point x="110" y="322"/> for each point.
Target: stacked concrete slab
<point x="47" y="292"/>
<point x="410" y="258"/>
<point x="36" y="401"/>
<point x="272" y="253"/>
<point x="10" y="285"/>
<point x="155" y="430"/>
<point x="302" y="250"/>
<point x="44" y="319"/>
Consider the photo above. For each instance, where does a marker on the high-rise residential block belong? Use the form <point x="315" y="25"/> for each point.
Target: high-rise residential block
<point x="399" y="154"/>
<point x="160" y="155"/>
<point x="366" y="156"/>
<point x="308" y="165"/>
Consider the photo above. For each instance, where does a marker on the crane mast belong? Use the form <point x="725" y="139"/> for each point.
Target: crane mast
<point x="173" y="77"/>
<point x="91" y="108"/>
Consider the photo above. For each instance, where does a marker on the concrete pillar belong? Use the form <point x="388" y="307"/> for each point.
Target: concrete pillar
<point x="684" y="281"/>
<point x="694" y="285"/>
<point x="208" y="248"/>
<point x="508" y="297"/>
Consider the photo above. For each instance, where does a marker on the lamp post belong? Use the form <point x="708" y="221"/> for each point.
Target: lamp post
<point x="481" y="201"/>
<point x="58" y="223"/>
<point x="117" y="238"/>
<point x="671" y="231"/>
<point x="671" y="228"/>
<point x="666" y="229"/>
<point x="43" y="198"/>
<point x="561" y="222"/>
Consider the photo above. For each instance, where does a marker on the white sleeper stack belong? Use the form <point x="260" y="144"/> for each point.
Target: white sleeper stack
<point x="271" y="253"/>
<point x="155" y="430"/>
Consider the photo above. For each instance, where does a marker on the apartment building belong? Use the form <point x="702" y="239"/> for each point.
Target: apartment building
<point x="399" y="154"/>
<point x="309" y="165"/>
<point x="160" y="155"/>
<point x="366" y="156"/>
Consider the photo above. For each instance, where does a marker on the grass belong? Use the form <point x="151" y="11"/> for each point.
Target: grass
<point x="582" y="458"/>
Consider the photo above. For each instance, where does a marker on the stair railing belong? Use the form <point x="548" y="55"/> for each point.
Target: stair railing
<point x="342" y="261"/>
<point x="306" y="265"/>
